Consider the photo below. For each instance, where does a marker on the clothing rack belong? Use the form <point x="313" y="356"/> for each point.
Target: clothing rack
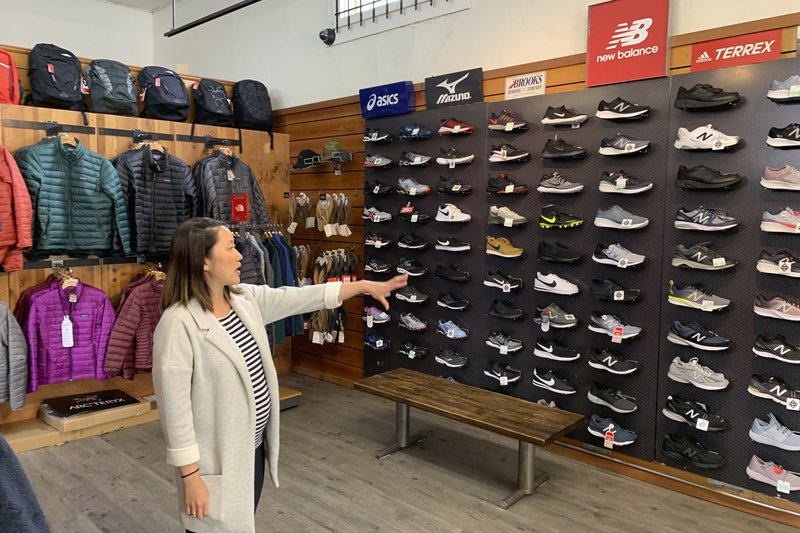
<point x="50" y="127"/>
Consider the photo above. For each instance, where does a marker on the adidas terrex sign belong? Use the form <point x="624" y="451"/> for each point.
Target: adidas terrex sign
<point x="738" y="50"/>
<point x="384" y="100"/>
<point x="463" y="87"/>
<point x="627" y="41"/>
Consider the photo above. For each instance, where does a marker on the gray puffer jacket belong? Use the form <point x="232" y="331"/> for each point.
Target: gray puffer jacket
<point x="13" y="360"/>
<point x="217" y="186"/>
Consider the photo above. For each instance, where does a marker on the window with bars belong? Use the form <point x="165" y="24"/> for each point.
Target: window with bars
<point x="355" y="15"/>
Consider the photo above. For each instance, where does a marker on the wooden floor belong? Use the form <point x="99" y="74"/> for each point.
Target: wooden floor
<point x="331" y="482"/>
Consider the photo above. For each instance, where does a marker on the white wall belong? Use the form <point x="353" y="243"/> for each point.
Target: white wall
<point x="88" y="28"/>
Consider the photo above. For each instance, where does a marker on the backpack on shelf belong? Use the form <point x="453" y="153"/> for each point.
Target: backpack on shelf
<point x="10" y="84"/>
<point x="211" y="104"/>
<point x="111" y="88"/>
<point x="56" y="77"/>
<point x="164" y="93"/>
<point x="252" y="106"/>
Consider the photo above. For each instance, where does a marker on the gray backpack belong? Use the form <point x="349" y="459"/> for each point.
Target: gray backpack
<point x="111" y="88"/>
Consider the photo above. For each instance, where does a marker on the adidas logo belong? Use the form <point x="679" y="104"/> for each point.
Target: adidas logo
<point x="703" y="58"/>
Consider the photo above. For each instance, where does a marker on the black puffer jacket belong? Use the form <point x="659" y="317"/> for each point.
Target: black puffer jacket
<point x="216" y="186"/>
<point x="160" y="192"/>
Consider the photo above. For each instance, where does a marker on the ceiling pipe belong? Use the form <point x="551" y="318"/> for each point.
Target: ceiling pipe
<point x="207" y="18"/>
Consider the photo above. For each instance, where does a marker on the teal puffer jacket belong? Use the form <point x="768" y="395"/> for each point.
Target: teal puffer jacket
<point x="78" y="204"/>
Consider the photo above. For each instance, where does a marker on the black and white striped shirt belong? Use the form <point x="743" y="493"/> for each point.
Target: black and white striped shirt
<point x="252" y="356"/>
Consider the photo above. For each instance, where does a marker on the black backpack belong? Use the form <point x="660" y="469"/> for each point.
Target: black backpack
<point x="165" y="94"/>
<point x="111" y="88"/>
<point x="55" y="77"/>
<point x="211" y="104"/>
<point x="252" y="106"/>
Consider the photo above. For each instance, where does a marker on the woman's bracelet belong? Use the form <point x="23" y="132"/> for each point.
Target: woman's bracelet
<point x="196" y="470"/>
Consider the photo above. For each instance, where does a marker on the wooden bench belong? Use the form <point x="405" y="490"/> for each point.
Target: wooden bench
<point x="531" y="424"/>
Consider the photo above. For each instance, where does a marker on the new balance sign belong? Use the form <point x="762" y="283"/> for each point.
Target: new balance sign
<point x="464" y="87"/>
<point x="627" y="41"/>
<point x="739" y="50"/>
<point x="525" y="85"/>
<point x="384" y="100"/>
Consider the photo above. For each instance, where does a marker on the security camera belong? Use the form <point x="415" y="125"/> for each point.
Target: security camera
<point x="327" y="36"/>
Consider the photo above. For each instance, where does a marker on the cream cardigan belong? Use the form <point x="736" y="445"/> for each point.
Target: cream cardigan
<point x="205" y="396"/>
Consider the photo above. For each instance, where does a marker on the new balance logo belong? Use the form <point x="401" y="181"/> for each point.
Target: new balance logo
<point x="609" y="361"/>
<point x="783" y="349"/>
<point x="784" y="307"/>
<point x="450" y="86"/>
<point x="698" y="337"/>
<point x="794" y="133"/>
<point x="703" y="58"/>
<point x="778" y="390"/>
<point x="701" y="218"/>
<point x="699" y="256"/>
<point x="705" y="136"/>
<point x="691" y="414"/>
<point x="630" y="34"/>
<point x="694" y="296"/>
<point x="622" y="106"/>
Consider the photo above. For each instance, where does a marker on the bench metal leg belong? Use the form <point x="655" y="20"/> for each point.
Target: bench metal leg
<point x="527" y="480"/>
<point x="402" y="432"/>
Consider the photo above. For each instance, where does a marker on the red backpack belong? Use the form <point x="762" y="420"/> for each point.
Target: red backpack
<point x="10" y="86"/>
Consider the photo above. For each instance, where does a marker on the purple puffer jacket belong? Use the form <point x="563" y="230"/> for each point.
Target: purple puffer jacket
<point x="92" y="318"/>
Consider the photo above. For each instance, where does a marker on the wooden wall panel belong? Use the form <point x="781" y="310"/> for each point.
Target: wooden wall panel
<point x="16" y="138"/>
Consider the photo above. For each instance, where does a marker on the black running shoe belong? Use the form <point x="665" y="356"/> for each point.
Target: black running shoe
<point x="451" y="185"/>
<point x="377" y="188"/>
<point x="411" y="294"/>
<point x="411" y="241"/>
<point x="558" y="149"/>
<point x="452" y="157"/>
<point x="561" y="116"/>
<point x="788" y="137"/>
<point x="703" y="97"/>
<point x="412" y="350"/>
<point x="553" y="218"/>
<point x="550" y="349"/>
<point x="505" y="310"/>
<point x="557" y="253"/>
<point x="499" y="280"/>
<point x="452" y="273"/>
<point x="703" y="177"/>
<point x="693" y="413"/>
<point x="611" y="398"/>
<point x="451" y="301"/>
<point x="505" y="153"/>
<point x="623" y="183"/>
<point x="450" y="358"/>
<point x="697" y="336"/>
<point x="377" y="240"/>
<point x="772" y="388"/>
<point x="411" y="267"/>
<point x="611" y="361"/>
<point x="451" y="244"/>
<point x="376" y="265"/>
<point x="689" y="450"/>
<point x="411" y="213"/>
<point x="502" y="372"/>
<point x="608" y="290"/>
<point x="545" y="378"/>
<point x="619" y="109"/>
<point x="377" y="136"/>
<point x="777" y="347"/>
<point x="503" y="184"/>
<point x="701" y="257"/>
<point x="415" y="132"/>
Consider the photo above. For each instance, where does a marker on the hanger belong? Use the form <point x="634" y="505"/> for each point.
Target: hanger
<point x="66" y="277"/>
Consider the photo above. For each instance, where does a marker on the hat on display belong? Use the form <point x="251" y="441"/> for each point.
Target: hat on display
<point x="307" y="159"/>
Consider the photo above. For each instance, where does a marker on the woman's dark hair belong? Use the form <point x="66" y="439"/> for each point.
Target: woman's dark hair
<point x="191" y="245"/>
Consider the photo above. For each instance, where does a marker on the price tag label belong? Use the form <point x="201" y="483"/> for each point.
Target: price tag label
<point x="73" y="298"/>
<point x="509" y="126"/>
<point x="504" y="350"/>
<point x="452" y="163"/>
<point x="376" y="190"/>
<point x="379" y="343"/>
<point x="231" y="175"/>
<point x="412" y="354"/>
<point x="346" y="278"/>
<point x="329" y="337"/>
<point x="413" y="298"/>
<point x="317" y="338"/>
<point x="67" y="340"/>
<point x="417" y="160"/>
<point x="784" y="486"/>
<point x="626" y="222"/>
<point x="456" y="187"/>
<point x="379" y="244"/>
<point x="619" y="296"/>
<point x="415" y="132"/>
<point x="412" y="192"/>
<point x="793" y="404"/>
<point x="508" y="222"/>
<point x="545" y="322"/>
<point x="503" y="381"/>
<point x="374" y="136"/>
<point x="622" y="263"/>
<point x="456" y="128"/>
<point x="576" y="126"/>
<point x="797" y="228"/>
<point x="621" y="183"/>
<point x="311" y="222"/>
<point x="617" y="336"/>
<point x="407" y="209"/>
<point x="707" y="305"/>
<point x="370" y="321"/>
<point x="451" y="334"/>
<point x="414" y="217"/>
<point x="718" y="261"/>
<point x="509" y="188"/>
<point x="292" y="227"/>
<point x="608" y="442"/>
<point x="702" y="424"/>
<point x="794" y="90"/>
<point x="341" y="337"/>
<point x="506" y="287"/>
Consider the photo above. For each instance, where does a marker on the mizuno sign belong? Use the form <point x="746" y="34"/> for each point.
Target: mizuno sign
<point x="463" y="87"/>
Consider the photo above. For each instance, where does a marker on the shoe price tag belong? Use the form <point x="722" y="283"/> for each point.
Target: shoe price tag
<point x="374" y="136"/>
<point x="718" y="261"/>
<point x="412" y="354"/>
<point x="407" y="209"/>
<point x="370" y="321"/>
<point x="413" y="297"/>
<point x="702" y="424"/>
<point x="509" y="126"/>
<point x="317" y="338"/>
<point x="452" y="163"/>
<point x="376" y="190"/>
<point x="576" y="126"/>
<point x="797" y="228"/>
<point x="415" y="132"/>
<point x="456" y="187"/>
<point x="608" y="442"/>
<point x="456" y="128"/>
<point x="414" y="217"/>
<point x="504" y="350"/>
<point x="346" y="278"/>
<point x="509" y="188"/>
<point x="67" y="340"/>
<point x="508" y="222"/>
<point x="311" y="222"/>
<point x="379" y="343"/>
<point x="617" y="336"/>
<point x="341" y="337"/>
<point x="503" y="381"/>
<point x="622" y="263"/>
<point x="412" y="192"/>
<point x="619" y="296"/>
<point x="620" y="183"/>
<point x="794" y="90"/>
<point x="506" y="287"/>
<point x="626" y="222"/>
<point x="292" y="227"/>
<point x="707" y="305"/>
<point x="417" y="160"/>
<point x="793" y="404"/>
<point x="784" y="486"/>
<point x="329" y="337"/>
<point x="545" y="322"/>
<point x="73" y="298"/>
<point x="231" y="175"/>
<point x="451" y="334"/>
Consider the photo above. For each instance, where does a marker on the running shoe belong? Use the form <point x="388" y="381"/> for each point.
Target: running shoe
<point x="412" y="350"/>
<point x="784" y="91"/>
<point x="611" y="324"/>
<point x="703" y="97"/>
<point x="504" y="216"/>
<point x="704" y="219"/>
<point x="556" y="184"/>
<point x="411" y="267"/>
<point x="688" y="450"/>
<point x="623" y="183"/>
<point x="772" y="474"/>
<point x="377" y="136"/>
<point x="555" y="284"/>
<point x="693" y="373"/>
<point x="788" y="137"/>
<point x="777" y="306"/>
<point x="502" y="247"/>
<point x="561" y="116"/>
<point x="411" y="213"/>
<point x="502" y="372"/>
<point x="451" y="244"/>
<point x="412" y="187"/>
<point x="452" y="185"/>
<point x="410" y="322"/>
<point x="450" y="358"/>
<point x="603" y="427"/>
<point x="557" y="148"/>
<point x="376" y="342"/>
<point x="413" y="159"/>
<point x="500" y="280"/>
<point x="555" y="316"/>
<point x="415" y="132"/>
<point x="786" y="220"/>
<point x="449" y="300"/>
<point x="377" y="188"/>
<point x="618" y="218"/>
<point x="503" y="184"/>
<point x="500" y="340"/>
<point x="701" y="257"/>
<point x="777" y="347"/>
<point x="557" y="253"/>
<point x="551" y="218"/>
<point x="411" y="294"/>
<point x="375" y="215"/>
<point x="612" y="398"/>
<point x="451" y="330"/>
<point x="453" y="126"/>
<point x="377" y="316"/>
<point x="704" y="138"/>
<point x="505" y="153"/>
<point x="694" y="413"/>
<point x="616" y="255"/>
<point x="697" y="336"/>
<point x="411" y="241"/>
<point x="451" y="273"/>
<point x="785" y="178"/>
<point x="612" y="362"/>
<point x="376" y="161"/>
<point x="621" y="144"/>
<point x="608" y="290"/>
<point x="377" y="240"/>
<point x="376" y="265"/>
<point x="549" y="379"/>
<point x="550" y="349"/>
<point x="695" y="296"/>
<point x="505" y="310"/>
<point x="451" y="213"/>
<point x="452" y="157"/>
<point x="772" y="433"/>
<point x="703" y="177"/>
<point x="507" y="121"/>
<point x="619" y="109"/>
<point x="772" y="388"/>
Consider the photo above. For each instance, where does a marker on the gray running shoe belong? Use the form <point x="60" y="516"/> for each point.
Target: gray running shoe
<point x="777" y="307"/>
<point x="450" y="358"/>
<point x="623" y="183"/>
<point x="556" y="184"/>
<point x="376" y="161"/>
<point x="412" y="187"/>
<point x="772" y="474"/>
<point x="785" y="178"/>
<point x="611" y="398"/>
<point x="504" y="216"/>
<point x="501" y="341"/>
<point x="621" y="144"/>
<point x="696" y="296"/>
<point x="772" y="433"/>
<point x="451" y="330"/>
<point x="411" y="322"/>
<point x="376" y="215"/>
<point x="781" y="91"/>
<point x="616" y="217"/>
<point x="701" y="257"/>
<point x="557" y="317"/>
<point x="600" y="426"/>
<point x="617" y="255"/>
<point x="608" y="323"/>
<point x="704" y="219"/>
<point x="786" y="220"/>
<point x="696" y="374"/>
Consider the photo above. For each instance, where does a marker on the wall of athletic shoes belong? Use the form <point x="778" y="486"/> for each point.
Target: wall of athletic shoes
<point x="633" y="264"/>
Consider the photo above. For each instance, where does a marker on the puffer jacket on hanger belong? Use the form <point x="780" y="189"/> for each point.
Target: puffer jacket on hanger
<point x="13" y="360"/>
<point x="220" y="176"/>
<point x="77" y="199"/>
<point x="160" y="193"/>
<point x="15" y="213"/>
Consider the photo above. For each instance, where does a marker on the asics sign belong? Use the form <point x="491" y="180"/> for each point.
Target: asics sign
<point x="464" y="87"/>
<point x="627" y="41"/>
<point x="739" y="50"/>
<point x="384" y="100"/>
